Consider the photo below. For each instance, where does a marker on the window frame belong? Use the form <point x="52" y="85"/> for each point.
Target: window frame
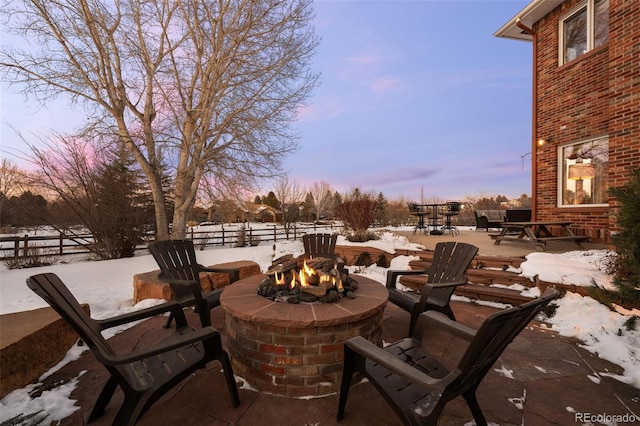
<point x="561" y="174"/>
<point x="590" y="6"/>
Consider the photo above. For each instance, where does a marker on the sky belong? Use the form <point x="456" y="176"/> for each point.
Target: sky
<point x="417" y="100"/>
<point x="109" y="293"/>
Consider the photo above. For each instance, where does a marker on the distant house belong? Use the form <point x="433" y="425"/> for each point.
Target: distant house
<point x="252" y="212"/>
<point x="586" y="106"/>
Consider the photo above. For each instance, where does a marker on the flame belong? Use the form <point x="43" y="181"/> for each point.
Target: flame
<point x="292" y="285"/>
<point x="279" y="280"/>
<point x="303" y="278"/>
<point x="307" y="269"/>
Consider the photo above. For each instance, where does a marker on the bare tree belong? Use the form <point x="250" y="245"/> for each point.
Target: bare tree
<point x="196" y="87"/>
<point x="322" y="198"/>
<point x="12" y="179"/>
<point x="99" y="188"/>
<point x="291" y="194"/>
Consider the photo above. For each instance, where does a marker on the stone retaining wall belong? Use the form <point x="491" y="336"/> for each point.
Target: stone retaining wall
<point x="147" y="285"/>
<point x="32" y="342"/>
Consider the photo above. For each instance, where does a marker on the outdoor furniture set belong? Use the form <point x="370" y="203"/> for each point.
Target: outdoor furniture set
<point x="434" y="213"/>
<point x="407" y="375"/>
<point x="486" y="219"/>
<point x="538" y="233"/>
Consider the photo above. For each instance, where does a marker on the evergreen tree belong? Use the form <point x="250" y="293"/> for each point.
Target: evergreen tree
<point x="122" y="209"/>
<point x="381" y="212"/>
<point x="628" y="239"/>
<point x="271" y="200"/>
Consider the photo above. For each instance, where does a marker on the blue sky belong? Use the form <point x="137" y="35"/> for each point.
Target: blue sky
<point x="415" y="97"/>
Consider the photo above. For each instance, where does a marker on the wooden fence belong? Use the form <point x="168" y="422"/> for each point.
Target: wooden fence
<point x="231" y="236"/>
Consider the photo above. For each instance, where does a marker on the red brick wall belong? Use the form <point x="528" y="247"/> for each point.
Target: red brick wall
<point x="596" y="94"/>
<point x="624" y="107"/>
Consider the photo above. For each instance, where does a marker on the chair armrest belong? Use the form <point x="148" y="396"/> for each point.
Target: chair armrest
<point x="370" y="351"/>
<point x="392" y="276"/>
<point x="184" y="286"/>
<point x="436" y="320"/>
<point x="180" y="338"/>
<point x="171" y="306"/>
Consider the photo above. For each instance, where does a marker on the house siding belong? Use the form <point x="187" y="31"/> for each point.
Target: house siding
<point x="596" y="94"/>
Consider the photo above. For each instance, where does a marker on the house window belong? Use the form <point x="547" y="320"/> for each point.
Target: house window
<point x="584" y="177"/>
<point x="584" y="29"/>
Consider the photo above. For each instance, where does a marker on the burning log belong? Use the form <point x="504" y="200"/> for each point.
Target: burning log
<point x="313" y="280"/>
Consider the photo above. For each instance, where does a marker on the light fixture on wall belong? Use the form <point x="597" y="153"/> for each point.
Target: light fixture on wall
<point x="543" y="141"/>
<point x="581" y="171"/>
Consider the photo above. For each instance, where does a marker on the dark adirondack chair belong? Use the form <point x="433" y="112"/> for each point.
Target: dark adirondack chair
<point x="446" y="272"/>
<point x="180" y="269"/>
<point x="322" y="245"/>
<point x="418" y="386"/>
<point x="144" y="375"/>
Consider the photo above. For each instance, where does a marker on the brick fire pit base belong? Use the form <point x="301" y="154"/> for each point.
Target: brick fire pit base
<point x="296" y="350"/>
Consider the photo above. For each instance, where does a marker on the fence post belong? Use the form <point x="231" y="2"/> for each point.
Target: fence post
<point x="295" y="231"/>
<point x="275" y="235"/>
<point x="223" y="235"/>
<point x="16" y="247"/>
<point x="25" y="247"/>
<point x="61" y="243"/>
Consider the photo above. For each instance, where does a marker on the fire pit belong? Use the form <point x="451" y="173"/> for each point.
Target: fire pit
<point x="295" y="350"/>
<point x="306" y="280"/>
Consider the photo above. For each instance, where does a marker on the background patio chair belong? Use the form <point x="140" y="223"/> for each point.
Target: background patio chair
<point x="322" y="245"/>
<point x="144" y="375"/>
<point x="418" y="386"/>
<point x="446" y="272"/>
<point x="180" y="269"/>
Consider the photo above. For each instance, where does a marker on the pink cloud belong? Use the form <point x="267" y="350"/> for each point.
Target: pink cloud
<point x="384" y="84"/>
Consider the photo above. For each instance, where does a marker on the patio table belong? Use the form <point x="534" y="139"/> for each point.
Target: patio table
<point x="537" y="233"/>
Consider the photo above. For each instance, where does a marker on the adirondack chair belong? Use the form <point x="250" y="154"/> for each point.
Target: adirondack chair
<point x="418" y="386"/>
<point x="180" y="269"/>
<point x="144" y="375"/>
<point x="446" y="272"/>
<point x="322" y="245"/>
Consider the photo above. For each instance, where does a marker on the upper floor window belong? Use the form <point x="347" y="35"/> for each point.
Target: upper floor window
<point x="584" y="173"/>
<point x="583" y="29"/>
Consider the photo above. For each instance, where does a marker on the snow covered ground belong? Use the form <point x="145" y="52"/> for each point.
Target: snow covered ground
<point x="107" y="287"/>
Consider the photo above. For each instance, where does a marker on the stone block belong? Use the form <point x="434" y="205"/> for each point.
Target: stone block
<point x="147" y="285"/>
<point x="32" y="342"/>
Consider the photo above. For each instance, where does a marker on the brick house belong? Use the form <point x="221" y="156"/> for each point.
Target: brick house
<point x="586" y="106"/>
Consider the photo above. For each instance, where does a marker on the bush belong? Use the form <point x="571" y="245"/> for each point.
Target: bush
<point x="357" y="212"/>
<point x="627" y="265"/>
<point x="34" y="257"/>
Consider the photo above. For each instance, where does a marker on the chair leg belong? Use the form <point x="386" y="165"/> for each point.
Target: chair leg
<point x="349" y="368"/>
<point x="478" y="415"/>
<point x="132" y="409"/>
<point x="168" y="324"/>
<point x="229" y="377"/>
<point x="103" y="399"/>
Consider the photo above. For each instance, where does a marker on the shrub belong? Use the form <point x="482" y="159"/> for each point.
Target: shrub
<point x="357" y="212"/>
<point x="33" y="258"/>
<point x="627" y="265"/>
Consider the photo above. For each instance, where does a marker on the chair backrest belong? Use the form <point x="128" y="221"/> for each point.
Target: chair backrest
<point x="518" y="215"/>
<point x="494" y="335"/>
<point x="320" y="245"/>
<point x="50" y="288"/>
<point x="453" y="207"/>
<point x="450" y="261"/>
<point x="449" y="264"/>
<point x="176" y="258"/>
